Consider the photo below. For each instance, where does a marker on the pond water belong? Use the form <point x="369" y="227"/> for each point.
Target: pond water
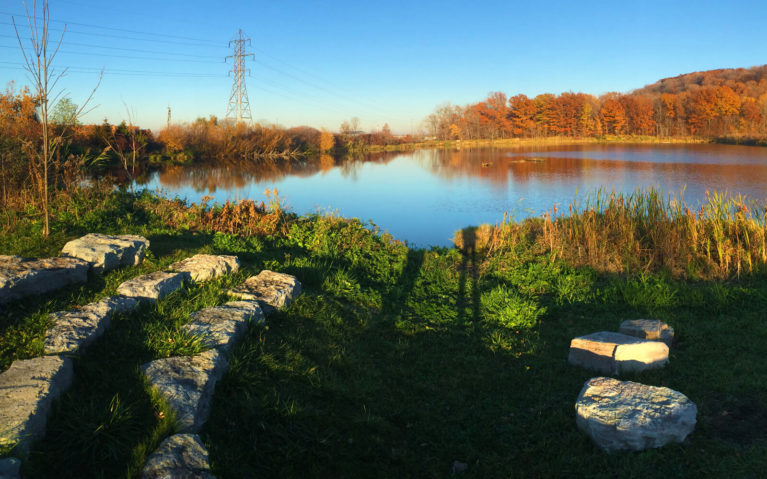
<point x="423" y="197"/>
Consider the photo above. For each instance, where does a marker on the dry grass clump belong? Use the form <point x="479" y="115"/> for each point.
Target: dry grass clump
<point x="245" y="217"/>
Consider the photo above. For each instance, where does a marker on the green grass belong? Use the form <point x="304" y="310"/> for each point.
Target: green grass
<point x="396" y="362"/>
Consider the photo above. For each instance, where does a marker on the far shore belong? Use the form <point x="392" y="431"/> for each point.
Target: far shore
<point x="543" y="141"/>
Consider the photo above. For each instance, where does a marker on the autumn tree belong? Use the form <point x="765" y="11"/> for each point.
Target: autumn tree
<point x="613" y="117"/>
<point x="493" y="114"/>
<point x="544" y="113"/>
<point x="38" y="57"/>
<point x="751" y="116"/>
<point x="588" y="120"/>
<point x="18" y="130"/>
<point x="639" y="114"/>
<point x="522" y="113"/>
<point x="327" y="141"/>
<point x="727" y="108"/>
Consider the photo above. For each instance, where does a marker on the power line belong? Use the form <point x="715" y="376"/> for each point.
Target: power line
<point x="238" y="71"/>
<point x="68" y="52"/>
<point x="20" y="66"/>
<point x="90" y="45"/>
<point x="122" y="37"/>
<point x="300" y="79"/>
<point x="88" y="25"/>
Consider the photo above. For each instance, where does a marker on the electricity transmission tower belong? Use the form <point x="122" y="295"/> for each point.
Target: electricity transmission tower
<point x="239" y="106"/>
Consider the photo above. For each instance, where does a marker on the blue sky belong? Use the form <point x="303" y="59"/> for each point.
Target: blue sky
<point x="320" y="63"/>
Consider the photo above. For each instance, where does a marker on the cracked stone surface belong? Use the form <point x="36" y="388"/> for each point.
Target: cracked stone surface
<point x="187" y="383"/>
<point x="652" y="329"/>
<point x="271" y="290"/>
<point x="221" y="326"/>
<point x="179" y="456"/>
<point x="27" y="390"/>
<point x="75" y="329"/>
<point x="21" y="277"/>
<point x="615" y="353"/>
<point x="152" y="286"/>
<point x="204" y="267"/>
<point x="624" y="415"/>
<point x="105" y="252"/>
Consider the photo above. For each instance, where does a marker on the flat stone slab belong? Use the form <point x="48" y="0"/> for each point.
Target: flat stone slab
<point x="624" y="415"/>
<point x="652" y="329"/>
<point x="153" y="286"/>
<point x="271" y="290"/>
<point x="204" y="267"/>
<point x="105" y="252"/>
<point x="21" y="277"/>
<point x="615" y="353"/>
<point x="187" y="383"/>
<point x="10" y="468"/>
<point x="179" y="456"/>
<point x="221" y="326"/>
<point x="27" y="390"/>
<point x="75" y="329"/>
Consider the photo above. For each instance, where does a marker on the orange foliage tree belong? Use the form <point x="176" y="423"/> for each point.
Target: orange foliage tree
<point x="713" y="103"/>
<point x="613" y="117"/>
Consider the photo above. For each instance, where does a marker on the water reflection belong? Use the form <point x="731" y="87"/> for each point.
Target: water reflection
<point x="425" y="196"/>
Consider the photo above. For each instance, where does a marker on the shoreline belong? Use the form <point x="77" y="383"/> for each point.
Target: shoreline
<point x="546" y="141"/>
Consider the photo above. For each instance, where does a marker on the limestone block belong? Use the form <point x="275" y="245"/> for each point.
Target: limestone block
<point x="21" y="277"/>
<point x="106" y="252"/>
<point x="10" y="468"/>
<point x="27" y="390"/>
<point x="75" y="329"/>
<point x="651" y="329"/>
<point x="221" y="326"/>
<point x="272" y="290"/>
<point x="624" y="415"/>
<point x="153" y="286"/>
<point x="615" y="353"/>
<point x="179" y="456"/>
<point x="187" y="383"/>
<point x="204" y="267"/>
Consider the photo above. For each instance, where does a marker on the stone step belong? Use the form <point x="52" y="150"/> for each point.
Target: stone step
<point x="179" y="456"/>
<point x="204" y="267"/>
<point x="651" y="329"/>
<point x="221" y="326"/>
<point x="271" y="290"/>
<point x="624" y="415"/>
<point x="75" y="329"/>
<point x="105" y="252"/>
<point x="187" y="383"/>
<point x="27" y="390"/>
<point x="615" y="353"/>
<point x="20" y="277"/>
<point x="152" y="286"/>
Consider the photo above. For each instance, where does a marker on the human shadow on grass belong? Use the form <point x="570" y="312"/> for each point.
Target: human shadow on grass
<point x="327" y="391"/>
<point x="469" y="273"/>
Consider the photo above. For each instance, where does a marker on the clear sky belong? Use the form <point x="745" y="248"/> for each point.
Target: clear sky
<point x="320" y="63"/>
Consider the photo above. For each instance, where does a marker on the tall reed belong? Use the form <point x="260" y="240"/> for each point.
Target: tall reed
<point x="725" y="236"/>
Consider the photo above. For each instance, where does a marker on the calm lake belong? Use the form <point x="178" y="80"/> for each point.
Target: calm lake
<point x="423" y="197"/>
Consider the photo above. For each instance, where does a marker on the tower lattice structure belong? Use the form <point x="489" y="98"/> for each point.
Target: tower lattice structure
<point x="239" y="105"/>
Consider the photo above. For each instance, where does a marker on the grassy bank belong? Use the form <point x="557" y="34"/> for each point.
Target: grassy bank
<point x="395" y="362"/>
